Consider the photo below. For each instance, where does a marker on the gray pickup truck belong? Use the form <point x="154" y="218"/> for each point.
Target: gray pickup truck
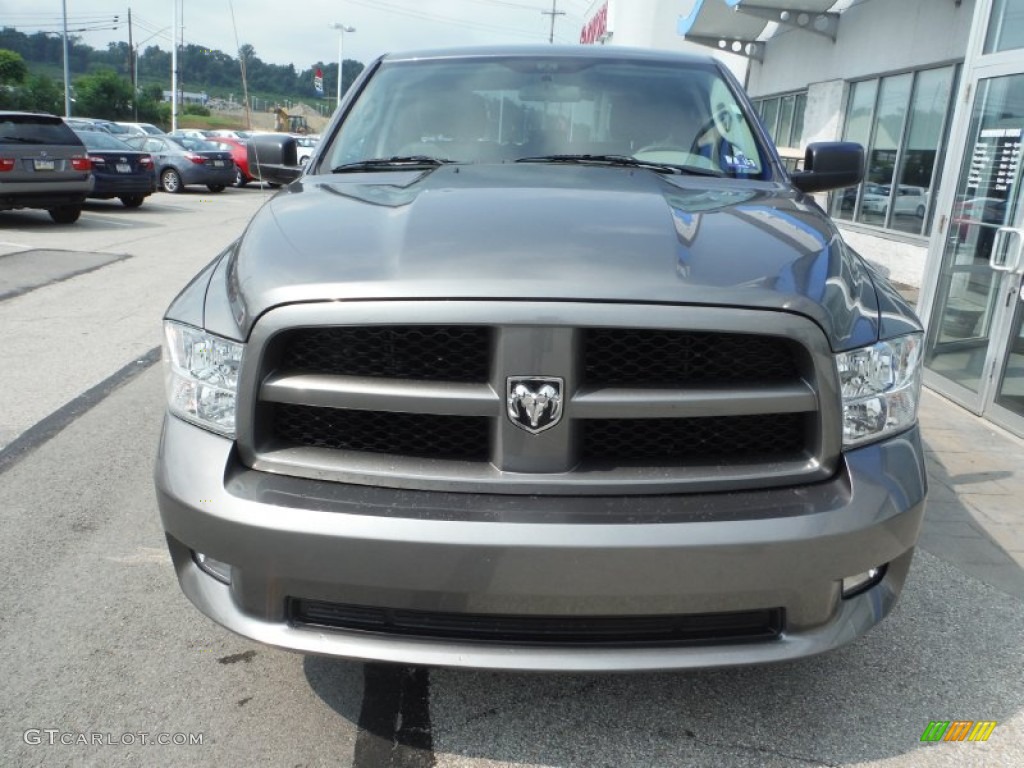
<point x="544" y="362"/>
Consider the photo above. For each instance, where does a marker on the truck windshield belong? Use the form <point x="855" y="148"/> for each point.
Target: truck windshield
<point x="503" y="109"/>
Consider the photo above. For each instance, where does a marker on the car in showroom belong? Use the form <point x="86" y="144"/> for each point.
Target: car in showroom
<point x="43" y="164"/>
<point x="119" y="170"/>
<point x="182" y="161"/>
<point x="543" y="362"/>
<point x="909" y="201"/>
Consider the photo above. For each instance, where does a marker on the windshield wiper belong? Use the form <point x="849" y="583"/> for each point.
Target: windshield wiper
<point x="625" y="161"/>
<point x="20" y="140"/>
<point x="399" y="162"/>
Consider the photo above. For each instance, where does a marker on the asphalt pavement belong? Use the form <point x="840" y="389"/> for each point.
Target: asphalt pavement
<point x="97" y="643"/>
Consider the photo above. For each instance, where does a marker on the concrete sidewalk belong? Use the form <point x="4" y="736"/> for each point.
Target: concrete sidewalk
<point x="975" y="513"/>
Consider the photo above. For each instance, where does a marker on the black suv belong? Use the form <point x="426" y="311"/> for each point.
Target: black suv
<point x="43" y="164"/>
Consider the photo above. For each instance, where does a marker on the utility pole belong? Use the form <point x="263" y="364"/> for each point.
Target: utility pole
<point x="552" y="13"/>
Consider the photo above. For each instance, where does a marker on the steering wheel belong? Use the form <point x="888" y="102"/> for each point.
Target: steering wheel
<point x="715" y="144"/>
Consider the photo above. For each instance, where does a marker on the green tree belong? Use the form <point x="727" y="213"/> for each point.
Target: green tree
<point x="12" y="75"/>
<point x="152" y="107"/>
<point x="105" y="95"/>
<point x="13" y="69"/>
<point x="42" y="94"/>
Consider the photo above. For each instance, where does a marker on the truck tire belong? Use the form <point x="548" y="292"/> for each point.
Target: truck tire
<point x="65" y="214"/>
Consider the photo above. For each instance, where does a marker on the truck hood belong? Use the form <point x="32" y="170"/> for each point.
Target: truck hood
<point x="548" y="232"/>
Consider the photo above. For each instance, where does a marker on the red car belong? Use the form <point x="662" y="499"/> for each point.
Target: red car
<point x="238" y="153"/>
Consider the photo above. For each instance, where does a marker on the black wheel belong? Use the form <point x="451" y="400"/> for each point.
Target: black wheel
<point x="240" y="180"/>
<point x="66" y="214"/>
<point x="273" y="184"/>
<point x="132" y="201"/>
<point x="920" y="211"/>
<point x="170" y="181"/>
<point x="215" y="187"/>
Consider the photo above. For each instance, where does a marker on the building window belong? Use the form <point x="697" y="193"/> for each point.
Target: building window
<point x="901" y="120"/>
<point x="1005" y="26"/>
<point x="783" y="117"/>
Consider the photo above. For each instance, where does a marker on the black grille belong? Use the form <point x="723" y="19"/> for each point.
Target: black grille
<point x="626" y="356"/>
<point x="402" y="434"/>
<point x="628" y="631"/>
<point x="428" y="352"/>
<point x="713" y="439"/>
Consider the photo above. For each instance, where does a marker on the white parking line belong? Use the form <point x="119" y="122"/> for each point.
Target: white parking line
<point x="90" y="216"/>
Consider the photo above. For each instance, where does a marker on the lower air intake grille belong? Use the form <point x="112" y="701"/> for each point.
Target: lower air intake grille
<point x="464" y="438"/>
<point x="770" y="437"/>
<point x="632" y="631"/>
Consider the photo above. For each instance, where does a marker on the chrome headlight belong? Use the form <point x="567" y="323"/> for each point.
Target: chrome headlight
<point x="202" y="376"/>
<point x="881" y="388"/>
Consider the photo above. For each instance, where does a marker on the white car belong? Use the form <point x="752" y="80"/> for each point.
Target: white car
<point x="143" y="129"/>
<point x="223" y="132"/>
<point x="189" y="133"/>
<point x="875" y="198"/>
<point x="306" y="145"/>
<point x="909" y="201"/>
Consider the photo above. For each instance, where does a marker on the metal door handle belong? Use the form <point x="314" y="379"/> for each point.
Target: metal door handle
<point x="1006" y="250"/>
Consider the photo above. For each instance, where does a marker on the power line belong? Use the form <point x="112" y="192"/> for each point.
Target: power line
<point x="435" y="17"/>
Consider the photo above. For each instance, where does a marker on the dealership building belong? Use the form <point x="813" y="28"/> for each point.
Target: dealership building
<point x="934" y="91"/>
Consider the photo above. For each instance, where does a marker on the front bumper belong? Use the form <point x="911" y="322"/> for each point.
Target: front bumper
<point x="789" y="548"/>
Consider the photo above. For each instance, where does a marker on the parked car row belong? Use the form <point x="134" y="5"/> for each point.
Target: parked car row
<point x="54" y="164"/>
<point x="121" y="130"/>
<point x="181" y="161"/>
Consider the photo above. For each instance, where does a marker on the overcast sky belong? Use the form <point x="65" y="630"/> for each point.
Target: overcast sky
<point x="297" y="31"/>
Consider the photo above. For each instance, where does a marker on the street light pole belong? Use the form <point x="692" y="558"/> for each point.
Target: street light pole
<point x="342" y="29"/>
<point x="174" y="68"/>
<point x="67" y="69"/>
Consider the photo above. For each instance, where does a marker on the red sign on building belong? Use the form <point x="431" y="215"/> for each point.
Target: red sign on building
<point x="596" y="28"/>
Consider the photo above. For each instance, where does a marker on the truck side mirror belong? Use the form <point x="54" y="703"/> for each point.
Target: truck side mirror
<point x="273" y="158"/>
<point x="830" y="165"/>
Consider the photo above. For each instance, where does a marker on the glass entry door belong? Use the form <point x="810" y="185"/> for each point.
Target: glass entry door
<point x="1008" y="399"/>
<point x="975" y="352"/>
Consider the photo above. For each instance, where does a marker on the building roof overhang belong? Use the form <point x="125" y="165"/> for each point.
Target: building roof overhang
<point x="741" y="26"/>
